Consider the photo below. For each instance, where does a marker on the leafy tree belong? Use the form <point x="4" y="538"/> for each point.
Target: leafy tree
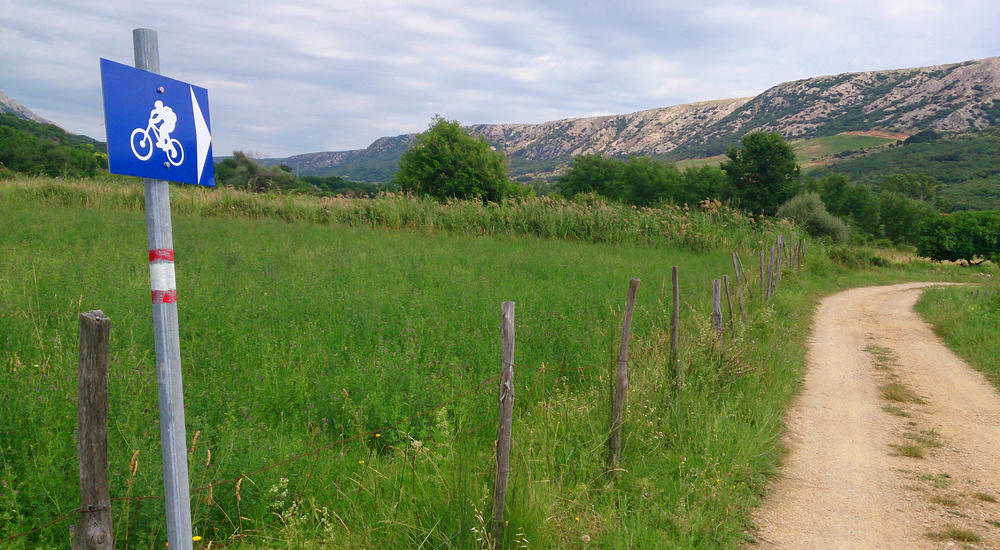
<point x="593" y="174"/>
<point x="446" y="162"/>
<point x="703" y="182"/>
<point x="901" y="216"/>
<point x="763" y="172"/>
<point x="915" y="186"/>
<point x="647" y="181"/>
<point x="961" y="236"/>
<point x="854" y="203"/>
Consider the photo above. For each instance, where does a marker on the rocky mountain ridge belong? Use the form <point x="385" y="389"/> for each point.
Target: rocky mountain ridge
<point x="955" y="97"/>
<point x="8" y="105"/>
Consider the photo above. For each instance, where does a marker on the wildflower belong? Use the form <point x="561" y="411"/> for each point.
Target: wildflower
<point x="196" y="538"/>
<point x="585" y="538"/>
<point x="378" y="435"/>
<point x="361" y="461"/>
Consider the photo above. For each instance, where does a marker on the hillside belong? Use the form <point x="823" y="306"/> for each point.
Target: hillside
<point x="966" y="166"/>
<point x="8" y="105"/>
<point x="959" y="97"/>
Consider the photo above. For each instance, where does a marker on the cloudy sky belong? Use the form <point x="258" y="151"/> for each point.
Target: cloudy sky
<point x="310" y="75"/>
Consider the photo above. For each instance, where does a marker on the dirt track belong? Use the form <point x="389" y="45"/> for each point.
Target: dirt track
<point x="851" y="478"/>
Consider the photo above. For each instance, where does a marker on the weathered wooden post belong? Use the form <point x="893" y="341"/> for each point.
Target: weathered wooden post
<point x="675" y="330"/>
<point x="743" y="309"/>
<point x="717" y="309"/>
<point x="621" y="379"/>
<point x="729" y="304"/>
<point x="770" y="274"/>
<point x="778" y="260"/>
<point x="93" y="529"/>
<point x="736" y="268"/>
<point x="506" y="419"/>
<point x="763" y="277"/>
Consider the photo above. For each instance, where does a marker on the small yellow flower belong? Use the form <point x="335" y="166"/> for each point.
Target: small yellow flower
<point x="361" y="461"/>
<point x="577" y="519"/>
<point x="378" y="435"/>
<point x="196" y="538"/>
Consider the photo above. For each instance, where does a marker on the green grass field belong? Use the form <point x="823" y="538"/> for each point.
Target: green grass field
<point x="968" y="320"/>
<point x="380" y="345"/>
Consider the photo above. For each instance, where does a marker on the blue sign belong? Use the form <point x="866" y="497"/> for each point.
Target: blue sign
<point x="157" y="127"/>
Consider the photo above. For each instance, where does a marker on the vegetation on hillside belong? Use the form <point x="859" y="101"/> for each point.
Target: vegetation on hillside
<point x="966" y="166"/>
<point x="242" y="172"/>
<point x="45" y="149"/>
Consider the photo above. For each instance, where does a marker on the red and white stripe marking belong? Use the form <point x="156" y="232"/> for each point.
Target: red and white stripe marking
<point x="161" y="276"/>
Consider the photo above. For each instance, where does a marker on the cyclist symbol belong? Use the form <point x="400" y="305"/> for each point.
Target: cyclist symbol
<point x="162" y="121"/>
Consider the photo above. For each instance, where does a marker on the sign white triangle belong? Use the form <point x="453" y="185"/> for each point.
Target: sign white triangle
<point x="202" y="135"/>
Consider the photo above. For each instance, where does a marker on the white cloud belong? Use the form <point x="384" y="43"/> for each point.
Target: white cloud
<point x="287" y="78"/>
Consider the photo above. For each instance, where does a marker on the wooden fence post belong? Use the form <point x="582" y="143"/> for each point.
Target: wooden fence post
<point x="763" y="278"/>
<point x="675" y="330"/>
<point x="93" y="529"/>
<point x="621" y="379"/>
<point x="736" y="268"/>
<point x="717" y="309"/>
<point x="506" y="419"/>
<point x="778" y="260"/>
<point x="743" y="308"/>
<point x="729" y="304"/>
<point x="770" y="274"/>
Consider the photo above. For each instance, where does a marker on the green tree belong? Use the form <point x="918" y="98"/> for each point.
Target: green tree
<point x="593" y="174"/>
<point x="647" y="181"/>
<point x="971" y="236"/>
<point x="763" y="171"/>
<point x="703" y="182"/>
<point x="901" y="216"/>
<point x="446" y="162"/>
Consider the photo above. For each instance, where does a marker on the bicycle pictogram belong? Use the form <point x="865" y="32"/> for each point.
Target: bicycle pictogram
<point x="162" y="121"/>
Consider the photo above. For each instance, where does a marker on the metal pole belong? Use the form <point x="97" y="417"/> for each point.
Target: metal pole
<point x="177" y="496"/>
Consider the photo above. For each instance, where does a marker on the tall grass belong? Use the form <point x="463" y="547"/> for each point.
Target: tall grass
<point x="381" y="347"/>
<point x="590" y="219"/>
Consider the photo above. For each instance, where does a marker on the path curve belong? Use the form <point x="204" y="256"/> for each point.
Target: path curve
<point x="851" y="478"/>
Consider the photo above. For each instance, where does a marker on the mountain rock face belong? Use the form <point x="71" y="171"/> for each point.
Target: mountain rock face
<point x="951" y="98"/>
<point x="8" y="105"/>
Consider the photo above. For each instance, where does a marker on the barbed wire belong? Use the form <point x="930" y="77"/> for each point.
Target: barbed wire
<point x="541" y="368"/>
<point x="39" y="528"/>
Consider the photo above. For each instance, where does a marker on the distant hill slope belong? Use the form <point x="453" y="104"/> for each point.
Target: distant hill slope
<point x="957" y="97"/>
<point x="967" y="166"/>
<point x="8" y="105"/>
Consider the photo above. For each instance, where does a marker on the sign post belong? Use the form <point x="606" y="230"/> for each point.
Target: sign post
<point x="142" y="109"/>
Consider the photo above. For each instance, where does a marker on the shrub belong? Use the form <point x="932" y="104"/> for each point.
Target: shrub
<point x="446" y="162"/>
<point x="808" y="211"/>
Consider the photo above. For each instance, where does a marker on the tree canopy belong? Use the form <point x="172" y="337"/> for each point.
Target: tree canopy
<point x="446" y="162"/>
<point x="763" y="172"/>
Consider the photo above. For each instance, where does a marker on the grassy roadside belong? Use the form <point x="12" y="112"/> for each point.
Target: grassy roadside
<point x="274" y="368"/>
<point x="968" y="320"/>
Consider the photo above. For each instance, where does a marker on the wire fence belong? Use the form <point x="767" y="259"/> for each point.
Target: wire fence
<point x="317" y="451"/>
<point x="471" y="391"/>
